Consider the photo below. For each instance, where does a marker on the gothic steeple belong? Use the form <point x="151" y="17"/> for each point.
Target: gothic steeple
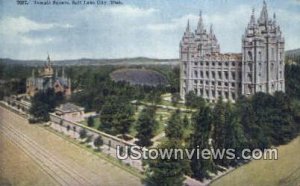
<point x="200" y="27"/>
<point x="274" y="19"/>
<point x="48" y="61"/>
<point x="263" y="19"/>
<point x="188" y="26"/>
<point x="252" y="19"/>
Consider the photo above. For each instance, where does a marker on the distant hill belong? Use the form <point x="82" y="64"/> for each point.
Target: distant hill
<point x="293" y="56"/>
<point x="295" y="52"/>
<point x="139" y="77"/>
<point x="95" y="62"/>
<point x="290" y="54"/>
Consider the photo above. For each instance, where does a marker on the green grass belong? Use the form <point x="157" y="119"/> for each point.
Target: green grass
<point x="282" y="172"/>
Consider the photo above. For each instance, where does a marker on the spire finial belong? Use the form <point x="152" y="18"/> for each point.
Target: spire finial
<point x="200" y="26"/>
<point x="274" y="16"/>
<point x="264" y="14"/>
<point x="48" y="60"/>
<point x="211" y="28"/>
<point x="188" y="26"/>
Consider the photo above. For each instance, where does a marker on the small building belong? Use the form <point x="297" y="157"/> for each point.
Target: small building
<point x="70" y="112"/>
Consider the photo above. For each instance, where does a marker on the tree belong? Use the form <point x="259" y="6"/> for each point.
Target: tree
<point x="201" y="121"/>
<point x="124" y="120"/>
<point x="116" y="116"/>
<point x="146" y="126"/>
<point x="98" y="142"/>
<point x="175" y="97"/>
<point x="39" y="110"/>
<point x="90" y="121"/>
<point x="167" y="171"/>
<point x="284" y="128"/>
<point x="234" y="135"/>
<point x="219" y="127"/>
<point x="82" y="134"/>
<point x="174" y="129"/>
<point x="44" y="102"/>
<point x="186" y="121"/>
<point x="193" y="101"/>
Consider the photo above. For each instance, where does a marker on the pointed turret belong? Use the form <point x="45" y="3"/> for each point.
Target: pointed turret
<point x="48" y="61"/>
<point x="200" y="26"/>
<point x="263" y="19"/>
<point x="188" y="26"/>
<point x="252" y="19"/>
<point x="274" y="19"/>
<point x="211" y="31"/>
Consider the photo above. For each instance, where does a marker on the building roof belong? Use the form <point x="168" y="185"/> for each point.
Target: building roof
<point x="69" y="107"/>
<point x="223" y="57"/>
<point x="63" y="81"/>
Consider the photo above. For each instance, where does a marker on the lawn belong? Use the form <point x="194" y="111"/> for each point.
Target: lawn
<point x="284" y="172"/>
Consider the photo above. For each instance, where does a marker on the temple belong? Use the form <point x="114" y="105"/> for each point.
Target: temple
<point x="212" y="74"/>
<point x="46" y="79"/>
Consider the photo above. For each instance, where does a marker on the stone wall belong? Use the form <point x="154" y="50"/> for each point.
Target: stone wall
<point x="61" y="125"/>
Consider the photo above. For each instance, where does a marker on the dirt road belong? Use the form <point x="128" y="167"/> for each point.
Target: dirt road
<point x="64" y="162"/>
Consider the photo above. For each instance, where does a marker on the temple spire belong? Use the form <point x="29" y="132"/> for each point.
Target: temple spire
<point x="200" y="26"/>
<point x="252" y="19"/>
<point x="48" y="60"/>
<point x="264" y="14"/>
<point x="274" y="18"/>
<point x="188" y="26"/>
<point x="211" y="30"/>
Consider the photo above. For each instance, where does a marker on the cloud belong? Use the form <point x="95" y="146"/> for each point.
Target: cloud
<point x="15" y="30"/>
<point x="130" y="11"/>
<point x="35" y="41"/>
<point x="127" y="30"/>
<point x="174" y="24"/>
<point x="14" y="25"/>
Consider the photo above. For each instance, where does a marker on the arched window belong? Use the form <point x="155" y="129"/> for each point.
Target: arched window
<point x="250" y="55"/>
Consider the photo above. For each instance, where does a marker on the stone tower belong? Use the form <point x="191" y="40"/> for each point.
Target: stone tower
<point x="262" y="55"/>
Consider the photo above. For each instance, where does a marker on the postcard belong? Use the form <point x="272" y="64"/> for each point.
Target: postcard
<point x="149" y="92"/>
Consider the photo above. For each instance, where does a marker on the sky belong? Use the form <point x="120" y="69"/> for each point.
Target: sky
<point x="137" y="28"/>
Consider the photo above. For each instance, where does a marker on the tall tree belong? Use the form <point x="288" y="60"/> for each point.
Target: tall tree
<point x="201" y="121"/>
<point x="167" y="171"/>
<point x="98" y="142"/>
<point x="44" y="102"/>
<point x="175" y="129"/>
<point x="90" y="121"/>
<point x="219" y="127"/>
<point x="234" y="134"/>
<point x="193" y="101"/>
<point x="145" y="126"/>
